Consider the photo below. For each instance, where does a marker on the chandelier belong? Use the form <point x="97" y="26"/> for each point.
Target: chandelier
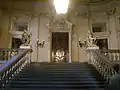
<point x="61" y="6"/>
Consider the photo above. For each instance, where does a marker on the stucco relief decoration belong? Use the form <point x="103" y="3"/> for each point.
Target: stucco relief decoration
<point x="61" y="24"/>
<point x="111" y="11"/>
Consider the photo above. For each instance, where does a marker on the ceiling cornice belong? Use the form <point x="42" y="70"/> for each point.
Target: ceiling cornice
<point x="90" y="2"/>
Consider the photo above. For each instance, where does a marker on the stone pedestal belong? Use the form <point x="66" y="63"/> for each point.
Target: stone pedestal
<point x="25" y="46"/>
<point x="93" y="48"/>
<point x="28" y="56"/>
<point x="90" y="54"/>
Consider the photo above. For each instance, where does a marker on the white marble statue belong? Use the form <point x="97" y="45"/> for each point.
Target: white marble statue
<point x="26" y="37"/>
<point x="90" y="40"/>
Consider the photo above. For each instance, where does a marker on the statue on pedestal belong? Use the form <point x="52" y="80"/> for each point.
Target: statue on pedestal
<point x="26" y="36"/>
<point x="91" y="42"/>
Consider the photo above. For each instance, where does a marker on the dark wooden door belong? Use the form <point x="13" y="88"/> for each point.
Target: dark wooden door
<point x="16" y="43"/>
<point x="60" y="47"/>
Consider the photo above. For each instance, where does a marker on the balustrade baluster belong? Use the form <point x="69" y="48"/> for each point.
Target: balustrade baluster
<point x="117" y="56"/>
<point x="0" y="55"/>
<point x="7" y="55"/>
<point x="112" y="56"/>
<point x="3" y="55"/>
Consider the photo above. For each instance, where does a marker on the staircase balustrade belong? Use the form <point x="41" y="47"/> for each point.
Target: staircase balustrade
<point x="112" y="55"/>
<point x="16" y="60"/>
<point x="6" y="54"/>
<point x="102" y="64"/>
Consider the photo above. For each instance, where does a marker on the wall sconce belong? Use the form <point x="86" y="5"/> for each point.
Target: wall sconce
<point x="82" y="44"/>
<point x="40" y="44"/>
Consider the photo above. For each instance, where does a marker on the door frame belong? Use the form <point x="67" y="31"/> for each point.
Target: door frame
<point x="59" y="25"/>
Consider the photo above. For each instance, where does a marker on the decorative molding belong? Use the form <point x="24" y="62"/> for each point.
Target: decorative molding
<point x="111" y="11"/>
<point x="16" y="34"/>
<point x="101" y="35"/>
<point x="47" y="15"/>
<point x="84" y="14"/>
<point x="59" y="24"/>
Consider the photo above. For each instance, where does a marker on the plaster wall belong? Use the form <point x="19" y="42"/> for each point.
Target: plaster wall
<point x="5" y="36"/>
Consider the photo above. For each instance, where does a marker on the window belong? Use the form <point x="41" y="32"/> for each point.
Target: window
<point x="98" y="27"/>
<point x="20" y="24"/>
<point x="22" y="27"/>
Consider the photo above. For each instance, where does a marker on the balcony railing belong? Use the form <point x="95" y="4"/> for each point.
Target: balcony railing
<point x="15" y="59"/>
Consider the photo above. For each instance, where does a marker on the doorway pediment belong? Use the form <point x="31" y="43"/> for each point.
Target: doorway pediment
<point x="59" y="25"/>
